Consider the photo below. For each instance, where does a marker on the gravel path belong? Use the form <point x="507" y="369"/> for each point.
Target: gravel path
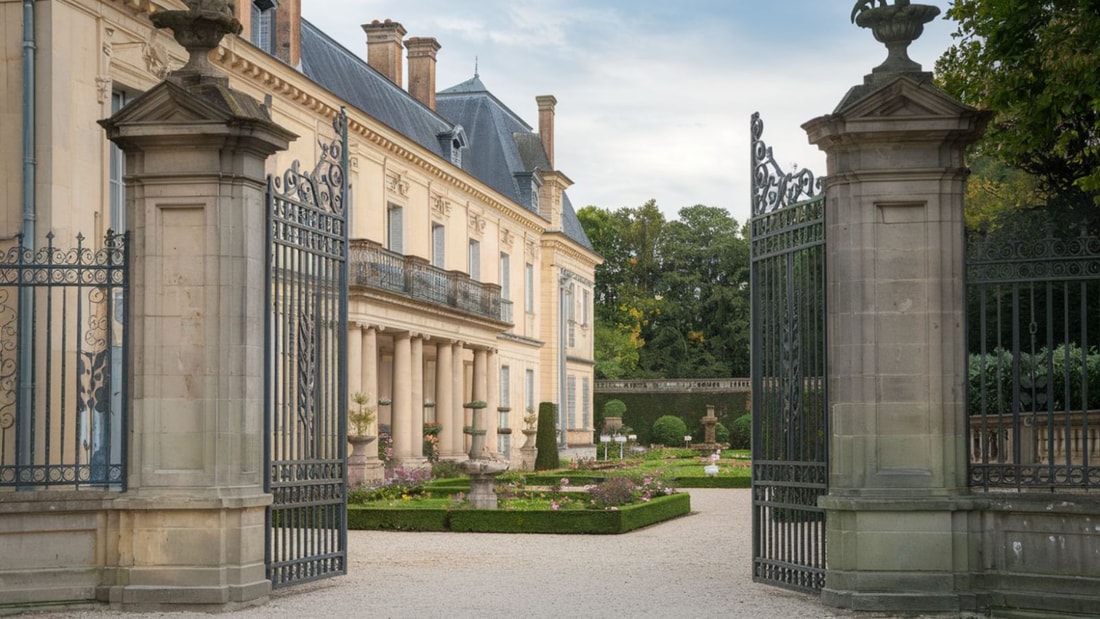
<point x="694" y="566"/>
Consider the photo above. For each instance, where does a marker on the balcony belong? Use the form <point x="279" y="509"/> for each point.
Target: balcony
<point x="372" y="266"/>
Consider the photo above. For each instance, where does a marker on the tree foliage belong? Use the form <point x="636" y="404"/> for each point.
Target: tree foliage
<point x="1034" y="64"/>
<point x="671" y="296"/>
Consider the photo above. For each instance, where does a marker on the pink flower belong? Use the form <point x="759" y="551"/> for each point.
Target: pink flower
<point x="565" y="481"/>
<point x="554" y="505"/>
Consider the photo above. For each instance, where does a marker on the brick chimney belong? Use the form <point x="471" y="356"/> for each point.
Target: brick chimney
<point x="546" y="124"/>
<point x="422" y="52"/>
<point x="288" y="32"/>
<point x="384" y="48"/>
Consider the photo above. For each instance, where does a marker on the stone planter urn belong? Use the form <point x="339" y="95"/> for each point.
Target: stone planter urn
<point x="357" y="459"/>
<point x="895" y="26"/>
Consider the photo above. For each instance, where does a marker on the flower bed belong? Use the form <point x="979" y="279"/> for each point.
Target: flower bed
<point x="440" y="515"/>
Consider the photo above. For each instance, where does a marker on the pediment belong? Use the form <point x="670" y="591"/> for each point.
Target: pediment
<point x="168" y="102"/>
<point x="900" y="98"/>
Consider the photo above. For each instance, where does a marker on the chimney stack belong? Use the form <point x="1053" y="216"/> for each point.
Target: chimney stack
<point x="546" y="124"/>
<point x="288" y="32"/>
<point x="422" y="52"/>
<point x="384" y="48"/>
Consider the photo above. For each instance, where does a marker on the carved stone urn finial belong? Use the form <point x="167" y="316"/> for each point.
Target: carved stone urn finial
<point x="199" y="30"/>
<point x="896" y="26"/>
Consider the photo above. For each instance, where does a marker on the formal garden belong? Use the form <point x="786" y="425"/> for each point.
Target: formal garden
<point x="591" y="496"/>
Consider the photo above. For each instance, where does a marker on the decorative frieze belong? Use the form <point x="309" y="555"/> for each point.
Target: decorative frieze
<point x="477" y="223"/>
<point x="103" y="80"/>
<point x="396" y="184"/>
<point x="507" y="239"/>
<point x="441" y="206"/>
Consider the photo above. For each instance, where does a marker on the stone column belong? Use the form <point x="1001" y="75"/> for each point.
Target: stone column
<point x="894" y="236"/>
<point x="189" y="532"/>
<point x="416" y="397"/>
<point x="402" y="398"/>
<point x="355" y="359"/>
<point x="492" y="398"/>
<point x="458" y="395"/>
<point x="373" y="470"/>
<point x="444" y="400"/>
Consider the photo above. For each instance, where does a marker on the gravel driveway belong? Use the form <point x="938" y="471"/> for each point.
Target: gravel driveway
<point x="694" y="566"/>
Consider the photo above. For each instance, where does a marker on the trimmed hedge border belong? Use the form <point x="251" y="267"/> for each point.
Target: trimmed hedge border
<point x="676" y="482"/>
<point x="622" y="520"/>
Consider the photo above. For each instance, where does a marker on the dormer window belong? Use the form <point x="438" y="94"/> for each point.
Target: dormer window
<point x="263" y="24"/>
<point x="528" y="184"/>
<point x="453" y="143"/>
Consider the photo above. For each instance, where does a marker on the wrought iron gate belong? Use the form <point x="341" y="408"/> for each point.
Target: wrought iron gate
<point x="789" y="421"/>
<point x="305" y="441"/>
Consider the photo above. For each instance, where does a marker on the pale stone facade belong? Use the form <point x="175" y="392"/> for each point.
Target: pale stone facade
<point x="196" y="458"/>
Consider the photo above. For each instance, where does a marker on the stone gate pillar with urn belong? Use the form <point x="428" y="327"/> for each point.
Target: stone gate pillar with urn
<point x="190" y="529"/>
<point x="896" y="530"/>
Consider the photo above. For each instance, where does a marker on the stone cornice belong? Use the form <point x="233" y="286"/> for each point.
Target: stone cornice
<point x="554" y="241"/>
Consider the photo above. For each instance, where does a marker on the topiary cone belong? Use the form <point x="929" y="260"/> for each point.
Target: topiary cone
<point x="546" y="441"/>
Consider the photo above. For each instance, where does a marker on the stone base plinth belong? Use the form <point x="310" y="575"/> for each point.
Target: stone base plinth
<point x="896" y="554"/>
<point x="176" y="553"/>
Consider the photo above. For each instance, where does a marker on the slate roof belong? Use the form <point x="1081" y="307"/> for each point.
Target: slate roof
<point x="500" y="142"/>
<point x="331" y="65"/>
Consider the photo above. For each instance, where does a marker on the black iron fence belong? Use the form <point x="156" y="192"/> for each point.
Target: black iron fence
<point x="62" y="385"/>
<point x="1033" y="393"/>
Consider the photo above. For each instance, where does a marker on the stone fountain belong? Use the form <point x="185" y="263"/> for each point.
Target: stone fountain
<point x="482" y="466"/>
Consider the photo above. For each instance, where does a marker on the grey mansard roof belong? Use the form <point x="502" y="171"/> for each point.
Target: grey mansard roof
<point x="501" y="144"/>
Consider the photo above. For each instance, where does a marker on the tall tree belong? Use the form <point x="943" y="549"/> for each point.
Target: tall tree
<point x="1034" y="63"/>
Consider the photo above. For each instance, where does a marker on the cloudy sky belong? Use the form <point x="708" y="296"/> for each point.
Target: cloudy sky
<point x="654" y="96"/>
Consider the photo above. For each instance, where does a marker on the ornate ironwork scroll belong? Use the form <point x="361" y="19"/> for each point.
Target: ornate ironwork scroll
<point x="306" y="391"/>
<point x="62" y="402"/>
<point x="790" y="424"/>
<point x="772" y="188"/>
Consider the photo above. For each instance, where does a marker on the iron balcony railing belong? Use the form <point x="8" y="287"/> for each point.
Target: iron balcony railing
<point x="373" y="266"/>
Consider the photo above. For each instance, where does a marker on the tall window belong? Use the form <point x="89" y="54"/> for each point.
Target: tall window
<point x="505" y="277"/>
<point x="395" y="229"/>
<point x="529" y="389"/>
<point x="571" y="400"/>
<point x="586" y="403"/>
<point x="475" y="260"/>
<point x="117" y="169"/>
<point x="439" y="235"/>
<point x="571" y="315"/>
<point x="505" y="388"/>
<point x="529" y="288"/>
<point x="263" y="24"/>
<point x="585" y="300"/>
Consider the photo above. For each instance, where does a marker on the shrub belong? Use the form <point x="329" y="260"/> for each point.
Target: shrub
<point x="669" y="431"/>
<point x="740" y="433"/>
<point x="546" y="440"/>
<point x="721" y="433"/>
<point x="614" y="408"/>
